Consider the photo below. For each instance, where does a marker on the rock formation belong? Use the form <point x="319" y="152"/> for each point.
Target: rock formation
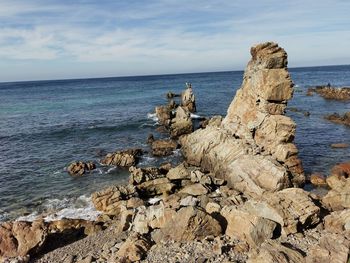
<point x="80" y="168"/>
<point x="124" y="158"/>
<point x="253" y="147"/>
<point x="333" y="93"/>
<point x="187" y="99"/>
<point x="339" y="119"/>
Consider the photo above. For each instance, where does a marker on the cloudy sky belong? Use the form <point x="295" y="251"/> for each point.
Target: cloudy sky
<point x="54" y="39"/>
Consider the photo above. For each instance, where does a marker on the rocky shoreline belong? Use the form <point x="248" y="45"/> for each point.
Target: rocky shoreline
<point x="236" y="197"/>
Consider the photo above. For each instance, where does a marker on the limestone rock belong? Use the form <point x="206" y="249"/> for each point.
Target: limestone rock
<point x="21" y="238"/>
<point x="124" y="158"/>
<point x="253" y="147"/>
<point x="140" y="175"/>
<point x="80" y="168"/>
<point x="292" y="208"/>
<point x="109" y="200"/>
<point x="339" y="119"/>
<point x="156" y="187"/>
<point x="339" y="196"/>
<point x="189" y="223"/>
<point x="164" y="115"/>
<point x="181" y="124"/>
<point x="331" y="248"/>
<point x="188" y="100"/>
<point x="271" y="251"/>
<point x="248" y="227"/>
<point x="338" y="221"/>
<point x="163" y="147"/>
<point x="194" y="189"/>
<point x="134" y="249"/>
<point x="179" y="172"/>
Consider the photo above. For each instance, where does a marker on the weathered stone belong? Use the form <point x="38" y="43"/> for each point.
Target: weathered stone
<point x="189" y="223"/>
<point x="339" y="119"/>
<point x="248" y="227"/>
<point x="140" y="175"/>
<point x="188" y="100"/>
<point x="80" y="168"/>
<point x="134" y="249"/>
<point x="21" y="238"/>
<point x="189" y="201"/>
<point x="156" y="187"/>
<point x="163" y="147"/>
<point x="124" y="158"/>
<point x="109" y="200"/>
<point x="338" y="222"/>
<point x="164" y="115"/>
<point x="333" y="93"/>
<point x="271" y="251"/>
<point x="212" y="207"/>
<point x="253" y="147"/>
<point x="292" y="208"/>
<point x="318" y="179"/>
<point x="194" y="189"/>
<point x="150" y="138"/>
<point x="181" y="124"/>
<point x="179" y="172"/>
<point x="331" y="248"/>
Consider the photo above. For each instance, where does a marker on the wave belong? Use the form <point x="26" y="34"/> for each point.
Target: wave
<point x="56" y="209"/>
<point x="195" y="116"/>
<point x="152" y="116"/>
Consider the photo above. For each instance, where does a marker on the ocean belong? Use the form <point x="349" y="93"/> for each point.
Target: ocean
<point x="45" y="125"/>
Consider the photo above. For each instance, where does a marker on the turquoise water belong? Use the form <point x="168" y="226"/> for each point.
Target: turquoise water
<point x="47" y="124"/>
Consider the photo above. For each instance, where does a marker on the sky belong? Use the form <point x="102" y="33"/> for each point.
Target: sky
<point x="59" y="39"/>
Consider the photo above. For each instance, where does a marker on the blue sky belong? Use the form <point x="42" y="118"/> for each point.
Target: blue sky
<point x="54" y="39"/>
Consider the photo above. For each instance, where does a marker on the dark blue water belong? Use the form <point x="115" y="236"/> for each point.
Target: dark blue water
<point x="45" y="125"/>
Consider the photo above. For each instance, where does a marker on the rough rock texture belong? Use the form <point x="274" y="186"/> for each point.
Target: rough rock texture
<point x="339" y="119"/>
<point x="318" y="180"/>
<point x="164" y="115"/>
<point x="333" y="93"/>
<point x="272" y="251"/>
<point x="292" y="208"/>
<point x="181" y="124"/>
<point x="248" y="227"/>
<point x="178" y="173"/>
<point x="339" y="196"/>
<point x="124" y="158"/>
<point x="338" y="221"/>
<point x="134" y="249"/>
<point x="189" y="223"/>
<point x="156" y="187"/>
<point x="253" y="148"/>
<point x="80" y="168"/>
<point x="188" y="100"/>
<point x="109" y="200"/>
<point x="140" y="175"/>
<point x="163" y="147"/>
<point x="21" y="238"/>
<point x="331" y="248"/>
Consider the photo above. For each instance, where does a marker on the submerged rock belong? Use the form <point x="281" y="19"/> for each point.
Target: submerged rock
<point x="336" y="118"/>
<point x="80" y="168"/>
<point x="253" y="147"/>
<point x="124" y="158"/>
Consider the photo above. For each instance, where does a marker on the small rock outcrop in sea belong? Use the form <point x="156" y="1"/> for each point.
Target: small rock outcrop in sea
<point x="339" y="119"/>
<point x="188" y="100"/>
<point x="332" y="93"/>
<point x="125" y="158"/>
<point x="80" y="168"/>
<point x="253" y="147"/>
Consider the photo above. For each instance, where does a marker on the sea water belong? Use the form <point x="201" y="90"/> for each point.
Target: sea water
<point x="45" y="125"/>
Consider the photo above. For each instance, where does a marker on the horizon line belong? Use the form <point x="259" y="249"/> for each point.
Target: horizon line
<point x="153" y="75"/>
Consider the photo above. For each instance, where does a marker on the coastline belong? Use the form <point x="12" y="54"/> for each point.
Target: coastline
<point x="206" y="201"/>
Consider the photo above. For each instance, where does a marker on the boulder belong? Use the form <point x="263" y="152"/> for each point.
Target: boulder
<point x="21" y="238"/>
<point x="189" y="223"/>
<point x="134" y="248"/>
<point x="171" y="95"/>
<point x="109" y="200"/>
<point x="80" y="168"/>
<point x="331" y="248"/>
<point x="333" y="93"/>
<point x="140" y="175"/>
<point x="181" y="124"/>
<point x="124" y="158"/>
<point x="338" y="197"/>
<point x="164" y="115"/>
<point x="272" y="251"/>
<point x="247" y="227"/>
<point x="194" y="189"/>
<point x="339" y="119"/>
<point x="338" y="221"/>
<point x="253" y="149"/>
<point x="156" y="187"/>
<point x="318" y="179"/>
<point x="163" y="147"/>
<point x="187" y="99"/>
<point x="292" y="208"/>
<point x="179" y="172"/>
